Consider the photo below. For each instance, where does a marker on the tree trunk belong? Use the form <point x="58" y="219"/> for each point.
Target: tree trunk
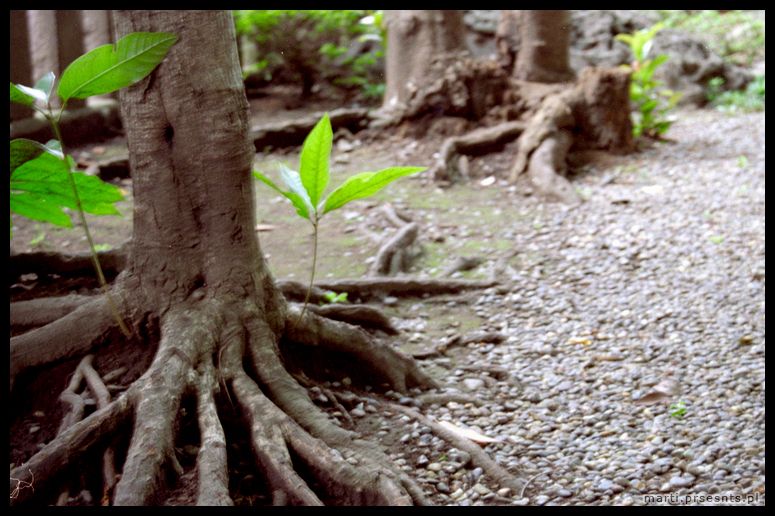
<point x="21" y="71"/>
<point x="544" y="47"/>
<point x="414" y="39"/>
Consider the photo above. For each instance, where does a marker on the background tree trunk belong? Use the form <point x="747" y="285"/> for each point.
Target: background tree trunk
<point x="21" y="69"/>
<point x="414" y="38"/>
<point x="544" y="47"/>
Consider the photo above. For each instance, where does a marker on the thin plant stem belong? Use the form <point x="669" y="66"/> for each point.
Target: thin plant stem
<point x="314" y="264"/>
<point x="94" y="258"/>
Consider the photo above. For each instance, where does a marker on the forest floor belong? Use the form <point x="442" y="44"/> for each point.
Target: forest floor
<point x="659" y="272"/>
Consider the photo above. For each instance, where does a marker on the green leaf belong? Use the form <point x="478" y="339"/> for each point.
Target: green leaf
<point x="365" y="184"/>
<point x="39" y="208"/>
<point x="46" y="84"/>
<point x="313" y="167"/>
<point x="300" y="203"/>
<point x="46" y="177"/>
<point x="20" y="97"/>
<point x="111" y="67"/>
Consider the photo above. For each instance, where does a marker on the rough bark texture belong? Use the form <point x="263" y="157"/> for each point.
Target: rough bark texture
<point x="414" y="39"/>
<point x="545" y="40"/>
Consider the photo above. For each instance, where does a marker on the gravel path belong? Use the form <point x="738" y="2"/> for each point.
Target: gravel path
<point x="660" y="274"/>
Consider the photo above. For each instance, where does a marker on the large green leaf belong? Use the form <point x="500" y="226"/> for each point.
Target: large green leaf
<point x="46" y="178"/>
<point x="313" y="167"/>
<point x="39" y="208"/>
<point x="109" y="68"/>
<point x="365" y="184"/>
<point x="301" y="203"/>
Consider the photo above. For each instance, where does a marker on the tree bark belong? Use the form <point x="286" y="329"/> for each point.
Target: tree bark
<point x="544" y="47"/>
<point x="190" y="158"/>
<point x="414" y="39"/>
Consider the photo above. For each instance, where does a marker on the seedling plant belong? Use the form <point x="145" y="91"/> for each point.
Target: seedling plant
<point x="306" y="187"/>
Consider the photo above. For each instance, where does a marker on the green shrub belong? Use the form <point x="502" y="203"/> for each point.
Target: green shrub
<point x="751" y="99"/>
<point x="652" y="102"/>
<point x="737" y="36"/>
<point x="341" y="47"/>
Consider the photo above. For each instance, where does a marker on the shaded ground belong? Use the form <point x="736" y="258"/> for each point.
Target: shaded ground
<point x="662" y="269"/>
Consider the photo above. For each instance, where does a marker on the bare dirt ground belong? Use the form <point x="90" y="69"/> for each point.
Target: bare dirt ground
<point x="661" y="268"/>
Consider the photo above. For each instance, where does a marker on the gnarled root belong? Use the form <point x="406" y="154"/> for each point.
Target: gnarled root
<point x="39" y="312"/>
<point x="207" y="345"/>
<point x="74" y="334"/>
<point x="477" y="142"/>
<point x="395" y="367"/>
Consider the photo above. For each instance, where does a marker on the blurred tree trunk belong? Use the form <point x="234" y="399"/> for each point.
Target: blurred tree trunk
<point x="21" y="67"/>
<point x="414" y="38"/>
<point x="544" y="47"/>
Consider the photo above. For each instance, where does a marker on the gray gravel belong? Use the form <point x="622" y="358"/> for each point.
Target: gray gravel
<point x="661" y="272"/>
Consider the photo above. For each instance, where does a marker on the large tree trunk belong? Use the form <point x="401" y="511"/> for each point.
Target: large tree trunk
<point x="544" y="47"/>
<point x="414" y="39"/>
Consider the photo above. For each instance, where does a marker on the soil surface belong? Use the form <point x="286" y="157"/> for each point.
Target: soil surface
<point x="659" y="273"/>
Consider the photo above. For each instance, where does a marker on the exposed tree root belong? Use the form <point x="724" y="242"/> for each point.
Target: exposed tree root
<point x="393" y="216"/>
<point x="478" y="457"/>
<point x="208" y="345"/>
<point x="462" y="263"/>
<point x="38" y="312"/>
<point x="459" y="340"/>
<point x="74" y="334"/>
<point x="187" y="333"/>
<point x="375" y="288"/>
<point x="292" y="133"/>
<point x="477" y="142"/>
<point x="594" y="114"/>
<point x="205" y="345"/>
<point x="390" y="364"/>
<point x="41" y="263"/>
<point x="211" y="466"/>
<point x="392" y="256"/>
<point x="358" y="315"/>
<point x="544" y="146"/>
<point x="442" y="398"/>
<point x="102" y="395"/>
<point x="460" y="86"/>
<point x="45" y="466"/>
